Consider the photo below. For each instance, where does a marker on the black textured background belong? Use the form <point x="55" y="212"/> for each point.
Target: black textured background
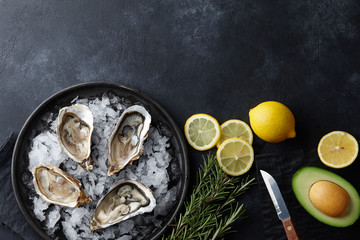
<point x="217" y="57"/>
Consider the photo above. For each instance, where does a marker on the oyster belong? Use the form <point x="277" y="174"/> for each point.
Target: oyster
<point x="126" y="143"/>
<point x="74" y="129"/>
<point x="124" y="200"/>
<point x="57" y="187"/>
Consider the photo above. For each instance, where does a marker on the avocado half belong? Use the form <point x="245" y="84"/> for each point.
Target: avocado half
<point x="302" y="181"/>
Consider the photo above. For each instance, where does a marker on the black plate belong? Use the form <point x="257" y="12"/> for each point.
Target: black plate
<point x="63" y="98"/>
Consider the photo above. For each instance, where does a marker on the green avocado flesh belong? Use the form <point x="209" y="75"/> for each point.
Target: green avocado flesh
<point x="301" y="184"/>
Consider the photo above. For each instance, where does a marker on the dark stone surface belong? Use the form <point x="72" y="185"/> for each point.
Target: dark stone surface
<point x="217" y="57"/>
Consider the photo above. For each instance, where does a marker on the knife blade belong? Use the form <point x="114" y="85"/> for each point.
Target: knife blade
<point x="279" y="205"/>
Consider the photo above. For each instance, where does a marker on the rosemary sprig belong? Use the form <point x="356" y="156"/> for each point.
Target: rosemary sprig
<point x="212" y="206"/>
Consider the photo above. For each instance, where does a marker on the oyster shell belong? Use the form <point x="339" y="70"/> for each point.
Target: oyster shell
<point x="126" y="143"/>
<point x="124" y="200"/>
<point x="57" y="187"/>
<point x="74" y="129"/>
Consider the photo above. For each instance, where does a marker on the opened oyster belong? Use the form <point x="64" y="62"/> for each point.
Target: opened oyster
<point x="57" y="187"/>
<point x="74" y="129"/>
<point x="126" y="199"/>
<point x="126" y="143"/>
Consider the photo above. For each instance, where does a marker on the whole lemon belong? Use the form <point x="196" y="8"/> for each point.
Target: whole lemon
<point x="272" y="121"/>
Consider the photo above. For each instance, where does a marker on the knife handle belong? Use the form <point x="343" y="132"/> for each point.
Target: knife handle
<point x="290" y="229"/>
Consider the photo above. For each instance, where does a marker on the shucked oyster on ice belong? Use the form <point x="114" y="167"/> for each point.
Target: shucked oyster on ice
<point x="74" y="129"/>
<point x="126" y="143"/>
<point x="57" y="187"/>
<point x="124" y="200"/>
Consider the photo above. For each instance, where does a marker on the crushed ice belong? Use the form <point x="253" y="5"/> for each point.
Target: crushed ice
<point x="152" y="169"/>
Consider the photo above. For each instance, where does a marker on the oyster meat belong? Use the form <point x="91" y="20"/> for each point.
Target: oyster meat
<point x="125" y="199"/>
<point x="126" y="143"/>
<point x="57" y="187"/>
<point x="74" y="128"/>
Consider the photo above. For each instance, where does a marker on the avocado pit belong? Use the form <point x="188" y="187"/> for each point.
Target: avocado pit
<point x="329" y="198"/>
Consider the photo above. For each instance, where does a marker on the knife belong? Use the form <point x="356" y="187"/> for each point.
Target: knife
<point x="279" y="205"/>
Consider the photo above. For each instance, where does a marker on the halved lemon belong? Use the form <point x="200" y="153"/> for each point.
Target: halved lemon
<point x="202" y="131"/>
<point x="235" y="156"/>
<point x="338" y="149"/>
<point x="235" y="128"/>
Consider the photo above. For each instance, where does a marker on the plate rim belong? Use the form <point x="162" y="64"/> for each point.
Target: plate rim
<point x="182" y="144"/>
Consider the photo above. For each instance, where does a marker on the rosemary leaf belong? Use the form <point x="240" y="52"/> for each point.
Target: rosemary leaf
<point x="212" y="206"/>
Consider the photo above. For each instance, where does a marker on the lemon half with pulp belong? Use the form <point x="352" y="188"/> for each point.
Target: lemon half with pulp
<point x="202" y="131"/>
<point x="235" y="156"/>
<point x="338" y="149"/>
<point x="235" y="128"/>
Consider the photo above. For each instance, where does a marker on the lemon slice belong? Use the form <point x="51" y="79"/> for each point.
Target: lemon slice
<point x="202" y="131"/>
<point x="235" y="156"/>
<point x="235" y="129"/>
<point x="338" y="149"/>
